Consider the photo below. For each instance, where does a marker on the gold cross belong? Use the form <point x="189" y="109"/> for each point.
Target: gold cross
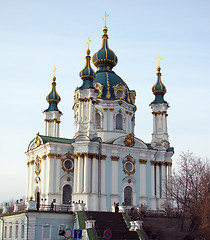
<point x="88" y="42"/>
<point x="54" y="70"/>
<point x="158" y="61"/>
<point x="104" y="18"/>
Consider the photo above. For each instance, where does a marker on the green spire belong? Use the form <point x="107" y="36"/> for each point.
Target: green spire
<point x="87" y="74"/>
<point x="105" y="57"/>
<point x="53" y="98"/>
<point x="159" y="89"/>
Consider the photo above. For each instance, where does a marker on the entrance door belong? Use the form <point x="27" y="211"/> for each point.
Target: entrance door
<point x="128" y="196"/>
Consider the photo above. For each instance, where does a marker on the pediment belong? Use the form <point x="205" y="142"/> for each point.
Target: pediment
<point x="132" y="142"/>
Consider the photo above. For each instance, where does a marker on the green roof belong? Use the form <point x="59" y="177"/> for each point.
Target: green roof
<point x="46" y="139"/>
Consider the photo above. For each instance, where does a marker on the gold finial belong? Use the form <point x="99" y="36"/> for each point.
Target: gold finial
<point x="54" y="70"/>
<point x="88" y="42"/>
<point x="104" y="18"/>
<point x="158" y="61"/>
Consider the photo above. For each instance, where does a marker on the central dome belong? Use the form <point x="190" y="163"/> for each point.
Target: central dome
<point x="108" y="84"/>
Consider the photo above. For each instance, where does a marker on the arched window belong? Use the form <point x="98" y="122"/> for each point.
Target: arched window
<point x="67" y="191"/>
<point x="98" y="120"/>
<point x="119" y="121"/>
<point x="128" y="196"/>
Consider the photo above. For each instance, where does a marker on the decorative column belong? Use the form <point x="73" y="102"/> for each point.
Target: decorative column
<point x="51" y="157"/>
<point x="153" y="200"/>
<point x="105" y="118"/>
<point x="79" y="175"/>
<point x="169" y="172"/>
<point x="95" y="173"/>
<point x="103" y="176"/>
<point x="157" y="180"/>
<point x="43" y="171"/>
<point x="75" y="190"/>
<point x="86" y="173"/>
<point x="163" y="179"/>
<point x="114" y="190"/>
<point x="111" y="119"/>
<point x="28" y="181"/>
<point x="32" y="178"/>
<point x="126" y="121"/>
<point x="142" y="166"/>
<point x="57" y="177"/>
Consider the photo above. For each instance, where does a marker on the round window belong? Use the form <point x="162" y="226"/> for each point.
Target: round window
<point x="120" y="93"/>
<point x="68" y="164"/>
<point x="128" y="166"/>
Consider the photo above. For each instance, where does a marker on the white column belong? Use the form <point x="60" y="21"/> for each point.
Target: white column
<point x="58" y="129"/>
<point x="103" y="176"/>
<point x="105" y="118"/>
<point x="152" y="180"/>
<point x="163" y="179"/>
<point x="54" y="128"/>
<point x="57" y="181"/>
<point x="114" y="175"/>
<point x="75" y="174"/>
<point x="95" y="174"/>
<point x="86" y="173"/>
<point x="126" y="122"/>
<point x="51" y="173"/>
<point x="154" y="122"/>
<point x="157" y="180"/>
<point x="43" y="173"/>
<point x="169" y="172"/>
<point x="79" y="175"/>
<point x="142" y="178"/>
<point x="28" y="181"/>
<point x="45" y="127"/>
<point x="111" y="119"/>
<point x="164" y="122"/>
<point x="31" y="178"/>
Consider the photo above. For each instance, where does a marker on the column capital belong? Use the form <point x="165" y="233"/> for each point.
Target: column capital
<point x="142" y="161"/>
<point x="152" y="162"/>
<point x="115" y="158"/>
<point x="51" y="155"/>
<point x="44" y="157"/>
<point x="103" y="157"/>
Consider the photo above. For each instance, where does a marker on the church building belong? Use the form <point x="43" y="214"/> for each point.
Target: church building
<point x="104" y="162"/>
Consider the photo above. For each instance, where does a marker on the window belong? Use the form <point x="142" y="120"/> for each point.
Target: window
<point x="128" y="196"/>
<point x="5" y="232"/>
<point x="22" y="231"/>
<point x="129" y="166"/>
<point x="98" y="120"/>
<point x="68" y="164"/>
<point x="119" y="121"/>
<point x="67" y="191"/>
<point x="10" y="232"/>
<point x="16" y="231"/>
<point x="46" y="231"/>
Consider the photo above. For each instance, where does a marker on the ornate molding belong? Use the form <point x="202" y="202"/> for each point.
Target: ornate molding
<point x="152" y="162"/>
<point x="44" y="157"/>
<point x="142" y="161"/>
<point x="131" y="162"/>
<point x="38" y="165"/>
<point x="103" y="157"/>
<point x="51" y="155"/>
<point x="68" y="157"/>
<point x="129" y="140"/>
<point x="111" y="109"/>
<point x="115" y="158"/>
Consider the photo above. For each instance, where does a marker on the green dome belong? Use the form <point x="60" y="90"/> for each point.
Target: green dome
<point x="108" y="84"/>
<point x="159" y="89"/>
<point x="87" y="74"/>
<point x="53" y="98"/>
<point x="105" y="56"/>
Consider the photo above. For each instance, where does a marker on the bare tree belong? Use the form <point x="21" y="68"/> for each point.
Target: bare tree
<point x="190" y="189"/>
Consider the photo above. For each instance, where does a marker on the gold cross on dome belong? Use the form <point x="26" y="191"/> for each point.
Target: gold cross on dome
<point x="104" y="18"/>
<point x="54" y="70"/>
<point x="158" y="61"/>
<point x="88" y="42"/>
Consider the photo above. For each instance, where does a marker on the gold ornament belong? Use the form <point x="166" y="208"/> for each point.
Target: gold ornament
<point x="129" y="140"/>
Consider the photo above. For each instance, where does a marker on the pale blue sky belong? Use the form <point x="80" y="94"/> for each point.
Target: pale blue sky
<point x="36" y="35"/>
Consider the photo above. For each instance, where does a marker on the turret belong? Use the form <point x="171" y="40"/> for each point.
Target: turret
<point x="84" y="101"/>
<point x="52" y="113"/>
<point x="159" y="107"/>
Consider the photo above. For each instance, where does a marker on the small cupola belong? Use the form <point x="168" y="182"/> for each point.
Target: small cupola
<point x="53" y="97"/>
<point x="87" y="74"/>
<point x="159" y="89"/>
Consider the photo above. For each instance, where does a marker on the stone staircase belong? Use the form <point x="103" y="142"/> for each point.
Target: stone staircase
<point x="114" y="222"/>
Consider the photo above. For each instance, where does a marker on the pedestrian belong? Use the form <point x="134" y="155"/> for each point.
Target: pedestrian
<point x="51" y="206"/>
